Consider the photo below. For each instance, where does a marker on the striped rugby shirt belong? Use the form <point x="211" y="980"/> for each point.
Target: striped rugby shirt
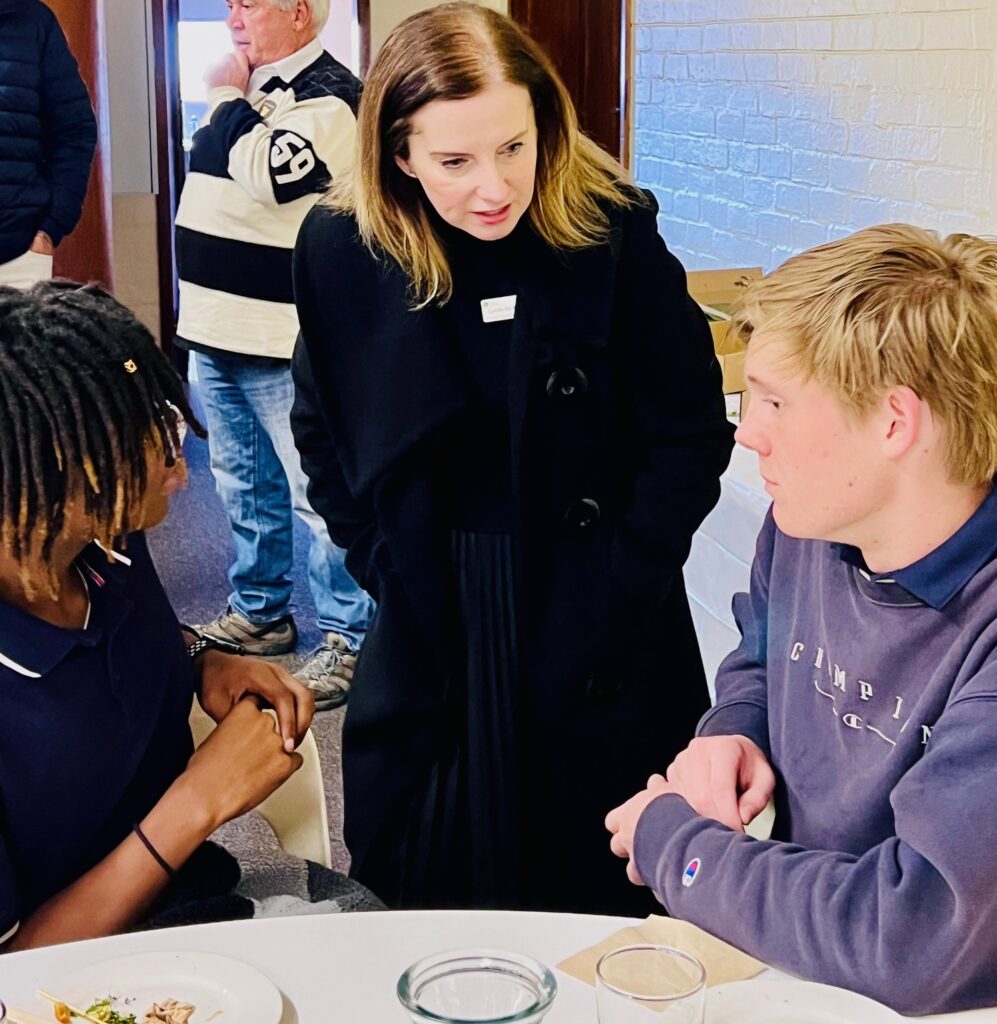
<point x="257" y="166"/>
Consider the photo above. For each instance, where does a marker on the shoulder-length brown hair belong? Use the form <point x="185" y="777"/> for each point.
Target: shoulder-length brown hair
<point x="451" y="52"/>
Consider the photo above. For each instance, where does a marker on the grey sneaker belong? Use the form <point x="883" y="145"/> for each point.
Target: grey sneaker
<point x="264" y="639"/>
<point x="328" y="672"/>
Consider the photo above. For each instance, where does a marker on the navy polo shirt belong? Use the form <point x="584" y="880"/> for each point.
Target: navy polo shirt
<point x="93" y="727"/>
<point x="941" y="574"/>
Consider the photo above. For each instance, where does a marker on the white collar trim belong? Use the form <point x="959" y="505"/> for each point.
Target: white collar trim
<point x="868" y="576"/>
<point x="10" y="663"/>
<point x="116" y="555"/>
<point x="287" y="68"/>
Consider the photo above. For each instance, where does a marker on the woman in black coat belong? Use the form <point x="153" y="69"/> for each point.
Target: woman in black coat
<point x="510" y="414"/>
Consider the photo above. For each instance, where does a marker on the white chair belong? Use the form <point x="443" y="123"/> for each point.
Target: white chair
<point x="296" y="811"/>
<point x="761" y="826"/>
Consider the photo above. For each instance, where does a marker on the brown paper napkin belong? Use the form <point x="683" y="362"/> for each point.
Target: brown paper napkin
<point x="722" y="961"/>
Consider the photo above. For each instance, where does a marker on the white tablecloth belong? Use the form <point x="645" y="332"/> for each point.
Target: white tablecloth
<point x="343" y="967"/>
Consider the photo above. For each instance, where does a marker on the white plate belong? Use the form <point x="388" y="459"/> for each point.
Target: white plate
<point x="225" y="991"/>
<point x="773" y="1001"/>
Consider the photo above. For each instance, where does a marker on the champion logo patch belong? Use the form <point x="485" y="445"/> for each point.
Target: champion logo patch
<point x="691" y="871"/>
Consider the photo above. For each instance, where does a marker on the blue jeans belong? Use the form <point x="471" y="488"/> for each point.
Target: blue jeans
<point x="247" y="403"/>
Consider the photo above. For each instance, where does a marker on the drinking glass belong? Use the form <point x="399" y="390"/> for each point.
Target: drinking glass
<point x="477" y="986"/>
<point x="650" y="985"/>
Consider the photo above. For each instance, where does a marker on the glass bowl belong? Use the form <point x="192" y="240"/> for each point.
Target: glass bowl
<point x="477" y="986"/>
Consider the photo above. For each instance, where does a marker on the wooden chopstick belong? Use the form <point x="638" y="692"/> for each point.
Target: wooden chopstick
<point x="72" y="1009"/>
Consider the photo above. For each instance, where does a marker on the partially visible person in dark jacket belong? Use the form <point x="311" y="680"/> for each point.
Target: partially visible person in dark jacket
<point x="47" y="138"/>
<point x="510" y="413"/>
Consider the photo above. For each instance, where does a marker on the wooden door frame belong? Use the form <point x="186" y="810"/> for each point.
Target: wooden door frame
<point x="169" y="147"/>
<point x="627" y="51"/>
<point x="169" y="157"/>
<point x="521" y="10"/>
<point x="363" y="21"/>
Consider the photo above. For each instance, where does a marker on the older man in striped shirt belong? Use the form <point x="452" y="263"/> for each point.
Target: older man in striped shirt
<point x="280" y="127"/>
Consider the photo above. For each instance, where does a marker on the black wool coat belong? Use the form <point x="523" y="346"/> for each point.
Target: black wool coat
<point x="618" y="438"/>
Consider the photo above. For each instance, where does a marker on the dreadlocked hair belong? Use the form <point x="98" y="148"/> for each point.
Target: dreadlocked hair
<point x="83" y="390"/>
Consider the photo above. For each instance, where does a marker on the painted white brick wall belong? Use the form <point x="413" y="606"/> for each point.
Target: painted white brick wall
<point x="720" y="560"/>
<point x="765" y="127"/>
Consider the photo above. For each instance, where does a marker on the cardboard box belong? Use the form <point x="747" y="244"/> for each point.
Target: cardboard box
<point x="716" y="291"/>
<point x="719" y="288"/>
<point x="737" y="405"/>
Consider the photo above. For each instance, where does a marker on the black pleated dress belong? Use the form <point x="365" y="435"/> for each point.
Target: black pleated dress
<point x="474" y="808"/>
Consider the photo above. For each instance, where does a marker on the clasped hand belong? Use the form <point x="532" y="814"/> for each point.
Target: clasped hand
<point x="225" y="679"/>
<point x="42" y="244"/>
<point x="231" y="70"/>
<point x="240" y="764"/>
<point x="726" y="778"/>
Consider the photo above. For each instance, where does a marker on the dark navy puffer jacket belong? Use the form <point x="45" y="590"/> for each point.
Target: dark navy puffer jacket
<point x="47" y="129"/>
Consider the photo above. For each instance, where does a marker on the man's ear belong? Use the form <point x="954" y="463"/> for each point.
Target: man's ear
<point x="905" y="419"/>
<point x="302" y="15"/>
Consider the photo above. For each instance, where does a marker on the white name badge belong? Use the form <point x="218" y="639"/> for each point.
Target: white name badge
<point x="503" y="308"/>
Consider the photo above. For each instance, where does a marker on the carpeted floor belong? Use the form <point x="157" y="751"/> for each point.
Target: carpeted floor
<point x="193" y="549"/>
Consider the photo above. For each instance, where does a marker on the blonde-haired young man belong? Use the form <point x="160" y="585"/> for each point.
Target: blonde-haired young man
<point x="863" y="695"/>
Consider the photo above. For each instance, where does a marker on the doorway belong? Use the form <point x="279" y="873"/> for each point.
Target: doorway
<point x="587" y="40"/>
<point x="188" y="36"/>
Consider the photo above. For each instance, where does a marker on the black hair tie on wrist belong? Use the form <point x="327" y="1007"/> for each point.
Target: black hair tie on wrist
<point x="157" y="856"/>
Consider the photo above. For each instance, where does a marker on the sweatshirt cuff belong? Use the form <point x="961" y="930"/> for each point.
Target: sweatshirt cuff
<point x="222" y="94"/>
<point x="738" y="719"/>
<point x="657" y="828"/>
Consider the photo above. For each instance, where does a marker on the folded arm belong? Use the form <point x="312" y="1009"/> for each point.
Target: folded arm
<point x="296" y="152"/>
<point x="240" y="764"/>
<point x="910" y="922"/>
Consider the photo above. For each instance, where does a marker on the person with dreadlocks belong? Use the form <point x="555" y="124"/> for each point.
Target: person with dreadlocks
<point x="102" y="801"/>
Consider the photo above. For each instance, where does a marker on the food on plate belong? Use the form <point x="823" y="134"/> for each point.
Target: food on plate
<point x="99" y="1011"/>
<point x="170" y="1011"/>
<point x="173" y="1011"/>
<point x="103" y="1010"/>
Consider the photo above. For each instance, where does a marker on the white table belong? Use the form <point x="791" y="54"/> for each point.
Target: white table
<point x="344" y="967"/>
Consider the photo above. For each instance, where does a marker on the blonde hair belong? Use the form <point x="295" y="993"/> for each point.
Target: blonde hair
<point x="449" y="52"/>
<point x="892" y="306"/>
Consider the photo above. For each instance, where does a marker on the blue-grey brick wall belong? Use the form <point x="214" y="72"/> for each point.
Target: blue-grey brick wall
<point x="768" y="126"/>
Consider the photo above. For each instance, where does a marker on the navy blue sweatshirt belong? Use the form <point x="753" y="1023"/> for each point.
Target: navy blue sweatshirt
<point x="875" y="699"/>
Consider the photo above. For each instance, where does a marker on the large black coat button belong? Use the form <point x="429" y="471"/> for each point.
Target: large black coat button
<point x="570" y="383"/>
<point x="583" y="515"/>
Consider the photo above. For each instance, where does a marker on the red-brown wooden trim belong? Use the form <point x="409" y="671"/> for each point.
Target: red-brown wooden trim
<point x="85" y="254"/>
<point x="589" y="55"/>
<point x="363" y="21"/>
<point x="169" y="157"/>
<point x="626" y="82"/>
